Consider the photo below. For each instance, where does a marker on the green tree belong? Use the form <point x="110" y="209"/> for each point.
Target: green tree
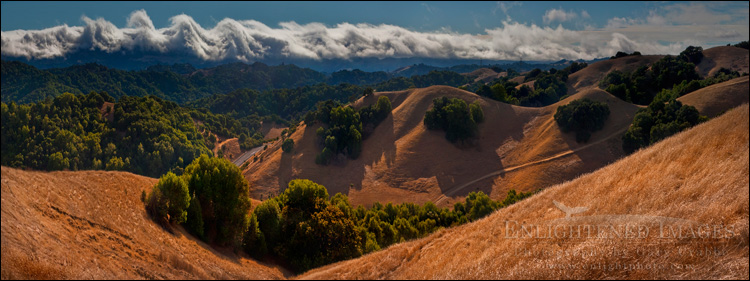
<point x="220" y="187"/>
<point x="582" y="116"/>
<point x="288" y="145"/>
<point x="175" y="197"/>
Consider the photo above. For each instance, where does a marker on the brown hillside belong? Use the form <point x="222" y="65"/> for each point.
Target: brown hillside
<point x="696" y="178"/>
<point x="403" y="162"/>
<point x="231" y="148"/>
<point x="92" y="225"/>
<point x="592" y="74"/>
<point x="729" y="57"/>
<point x="485" y="75"/>
<point x="271" y="130"/>
<point x="716" y="99"/>
<point x="519" y="79"/>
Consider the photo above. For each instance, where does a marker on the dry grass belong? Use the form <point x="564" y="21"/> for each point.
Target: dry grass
<point x="729" y="57"/>
<point x="485" y="75"/>
<point x="402" y="161"/>
<point x="271" y="130"/>
<point x="591" y="75"/>
<point x="697" y="177"/>
<point x="716" y="99"/>
<point x="231" y="148"/>
<point x="92" y="225"/>
<point x="28" y="267"/>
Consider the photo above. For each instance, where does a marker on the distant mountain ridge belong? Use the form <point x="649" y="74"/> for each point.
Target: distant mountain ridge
<point x="184" y="82"/>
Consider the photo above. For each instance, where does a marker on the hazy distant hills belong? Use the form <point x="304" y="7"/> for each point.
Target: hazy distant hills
<point x="183" y="82"/>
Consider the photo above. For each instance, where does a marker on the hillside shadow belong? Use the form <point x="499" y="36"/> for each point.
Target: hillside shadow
<point x="228" y="253"/>
<point x="381" y="148"/>
<point x="377" y="148"/>
<point x="285" y="170"/>
<point x="502" y="126"/>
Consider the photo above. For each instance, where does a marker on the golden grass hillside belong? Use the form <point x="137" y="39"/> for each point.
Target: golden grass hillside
<point x="595" y="72"/>
<point x="729" y="57"/>
<point x="716" y="99"/>
<point x="694" y="179"/>
<point x="92" y="225"/>
<point x="402" y="161"/>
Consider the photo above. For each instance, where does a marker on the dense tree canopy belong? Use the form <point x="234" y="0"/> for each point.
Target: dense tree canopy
<point x="147" y="135"/>
<point x="307" y="229"/>
<point x="455" y="117"/>
<point x="583" y="116"/>
<point x="665" y="116"/>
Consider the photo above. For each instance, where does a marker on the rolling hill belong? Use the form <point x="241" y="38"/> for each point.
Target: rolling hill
<point x="92" y="225"/>
<point x="595" y="72"/>
<point x="697" y="178"/>
<point x="402" y="161"/>
<point x="718" y="98"/>
<point x="729" y="57"/>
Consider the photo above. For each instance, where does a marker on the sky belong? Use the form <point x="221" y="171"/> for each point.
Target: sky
<point x="248" y="31"/>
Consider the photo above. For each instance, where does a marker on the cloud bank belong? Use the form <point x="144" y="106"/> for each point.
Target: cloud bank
<point x="249" y="40"/>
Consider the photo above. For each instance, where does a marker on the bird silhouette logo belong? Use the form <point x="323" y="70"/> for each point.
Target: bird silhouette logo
<point x="568" y="210"/>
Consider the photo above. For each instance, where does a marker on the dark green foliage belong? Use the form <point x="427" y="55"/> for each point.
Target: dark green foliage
<point x="665" y="116"/>
<point x="532" y="74"/>
<point x="476" y="112"/>
<point x="24" y="83"/>
<point x="435" y="77"/>
<point x="268" y="215"/>
<point x="288" y="145"/>
<point x="169" y="197"/>
<point x="454" y="117"/>
<point x="345" y="127"/>
<point x="692" y="54"/>
<point x="286" y="104"/>
<point x="357" y="77"/>
<point x="308" y="230"/>
<point x="224" y="197"/>
<point x="195" y="218"/>
<point x="621" y="54"/>
<point x="743" y="44"/>
<point x="148" y="136"/>
<point x="582" y="116"/>
<point x="313" y="232"/>
<point x="642" y="85"/>
<point x="438" y="77"/>
<point x="549" y="87"/>
<point x="371" y="116"/>
<point x="254" y="241"/>
<point x="368" y="92"/>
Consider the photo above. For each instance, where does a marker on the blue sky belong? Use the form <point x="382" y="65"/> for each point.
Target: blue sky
<point x="536" y="30"/>
<point x="465" y="17"/>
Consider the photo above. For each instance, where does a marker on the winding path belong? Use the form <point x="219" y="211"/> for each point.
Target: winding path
<point x="453" y="190"/>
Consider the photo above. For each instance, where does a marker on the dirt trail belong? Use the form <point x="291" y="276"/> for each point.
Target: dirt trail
<point x="453" y="190"/>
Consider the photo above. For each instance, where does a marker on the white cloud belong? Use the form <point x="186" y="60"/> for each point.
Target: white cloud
<point x="505" y="6"/>
<point x="558" y="15"/>
<point x="249" y="40"/>
<point x="585" y="14"/>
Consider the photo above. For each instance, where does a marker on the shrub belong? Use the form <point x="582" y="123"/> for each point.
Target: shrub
<point x="169" y="199"/>
<point x="288" y="145"/>
<point x="156" y="206"/>
<point x="582" y="116"/>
